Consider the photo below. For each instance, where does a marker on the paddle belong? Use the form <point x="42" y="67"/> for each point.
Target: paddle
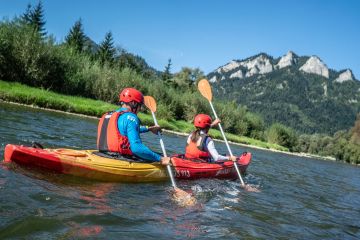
<point x="205" y="90"/>
<point x="181" y="196"/>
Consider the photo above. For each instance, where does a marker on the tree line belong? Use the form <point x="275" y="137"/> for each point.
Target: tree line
<point x="79" y="66"/>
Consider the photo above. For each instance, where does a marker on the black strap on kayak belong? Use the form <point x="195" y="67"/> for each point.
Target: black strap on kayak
<point x="36" y="145"/>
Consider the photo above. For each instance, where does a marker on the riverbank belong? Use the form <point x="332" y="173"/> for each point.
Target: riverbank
<point x="40" y="98"/>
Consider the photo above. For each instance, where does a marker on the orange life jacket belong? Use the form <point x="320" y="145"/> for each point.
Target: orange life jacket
<point x="193" y="151"/>
<point x="109" y="138"/>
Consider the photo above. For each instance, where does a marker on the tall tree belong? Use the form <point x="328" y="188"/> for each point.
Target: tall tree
<point x="106" y="52"/>
<point x="76" y="36"/>
<point x="187" y="77"/>
<point x="34" y="16"/>
<point x="137" y="63"/>
<point x="197" y="74"/>
<point x="26" y="17"/>
<point x="166" y="76"/>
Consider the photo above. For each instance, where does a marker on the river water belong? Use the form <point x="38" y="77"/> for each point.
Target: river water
<point x="300" y="198"/>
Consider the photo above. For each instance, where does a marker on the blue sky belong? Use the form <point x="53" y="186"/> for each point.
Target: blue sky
<point x="210" y="33"/>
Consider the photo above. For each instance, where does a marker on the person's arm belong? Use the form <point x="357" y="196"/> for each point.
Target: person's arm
<point x="215" y="122"/>
<point x="153" y="129"/>
<point x="136" y="145"/>
<point x="188" y="139"/>
<point x="214" y="153"/>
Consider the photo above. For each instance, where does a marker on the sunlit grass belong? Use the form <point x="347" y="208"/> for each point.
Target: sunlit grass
<point x="16" y="92"/>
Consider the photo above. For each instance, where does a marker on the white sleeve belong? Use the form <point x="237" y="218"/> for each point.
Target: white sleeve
<point x="188" y="139"/>
<point x="214" y="153"/>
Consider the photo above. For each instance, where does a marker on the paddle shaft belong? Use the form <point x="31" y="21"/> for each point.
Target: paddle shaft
<point x="164" y="152"/>
<point x="227" y="144"/>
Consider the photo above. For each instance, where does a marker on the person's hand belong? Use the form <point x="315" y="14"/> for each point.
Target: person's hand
<point x="154" y="129"/>
<point x="232" y="158"/>
<point x="165" y="160"/>
<point x="215" y="122"/>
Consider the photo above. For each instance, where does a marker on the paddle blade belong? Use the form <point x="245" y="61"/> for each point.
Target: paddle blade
<point x="150" y="103"/>
<point x="205" y="89"/>
<point x="183" y="198"/>
<point x="251" y="189"/>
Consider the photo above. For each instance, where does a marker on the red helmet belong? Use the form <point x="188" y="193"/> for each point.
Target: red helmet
<point x="202" y="121"/>
<point x="131" y="94"/>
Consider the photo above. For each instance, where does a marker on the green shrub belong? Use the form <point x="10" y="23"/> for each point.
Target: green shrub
<point x="256" y="126"/>
<point x="282" y="135"/>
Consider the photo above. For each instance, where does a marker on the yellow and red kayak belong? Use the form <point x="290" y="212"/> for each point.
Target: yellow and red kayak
<point x="93" y="165"/>
<point x="85" y="163"/>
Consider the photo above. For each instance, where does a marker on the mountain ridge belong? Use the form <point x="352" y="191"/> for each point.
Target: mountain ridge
<point x="298" y="91"/>
<point x="286" y="60"/>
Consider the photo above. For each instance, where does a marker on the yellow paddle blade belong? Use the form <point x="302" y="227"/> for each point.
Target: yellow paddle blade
<point x="205" y="89"/>
<point x="150" y="103"/>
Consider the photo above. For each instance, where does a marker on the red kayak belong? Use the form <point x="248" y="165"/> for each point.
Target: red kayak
<point x="194" y="169"/>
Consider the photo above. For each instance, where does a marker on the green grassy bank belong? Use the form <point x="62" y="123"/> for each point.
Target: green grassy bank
<point x="19" y="93"/>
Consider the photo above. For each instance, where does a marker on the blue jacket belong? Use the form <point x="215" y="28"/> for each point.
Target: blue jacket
<point x="129" y="126"/>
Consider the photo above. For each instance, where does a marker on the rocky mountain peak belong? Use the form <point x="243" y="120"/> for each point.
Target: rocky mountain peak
<point x="287" y="60"/>
<point x="345" y="76"/>
<point x="228" y="67"/>
<point x="258" y="65"/>
<point x="316" y="66"/>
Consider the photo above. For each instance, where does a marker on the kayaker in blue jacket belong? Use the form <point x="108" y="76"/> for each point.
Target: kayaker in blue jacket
<point x="119" y="131"/>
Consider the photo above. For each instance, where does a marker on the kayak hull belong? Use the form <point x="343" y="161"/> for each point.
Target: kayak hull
<point x="85" y="164"/>
<point x="88" y="164"/>
<point x="195" y="169"/>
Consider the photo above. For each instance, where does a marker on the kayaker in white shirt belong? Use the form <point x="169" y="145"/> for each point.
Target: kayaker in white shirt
<point x="199" y="143"/>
